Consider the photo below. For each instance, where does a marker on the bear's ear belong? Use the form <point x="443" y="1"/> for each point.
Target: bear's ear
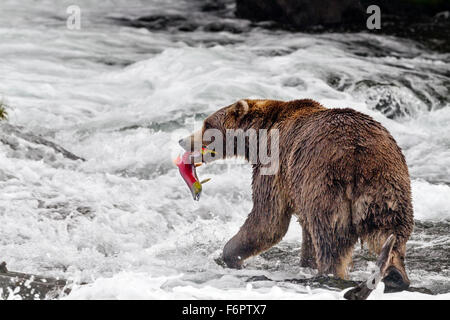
<point x="239" y="109"/>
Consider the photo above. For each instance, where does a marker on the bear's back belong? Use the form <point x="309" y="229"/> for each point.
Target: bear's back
<point x="341" y="129"/>
<point x="343" y="146"/>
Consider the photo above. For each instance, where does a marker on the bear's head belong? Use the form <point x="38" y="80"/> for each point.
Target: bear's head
<point x="230" y="123"/>
<point x="248" y="128"/>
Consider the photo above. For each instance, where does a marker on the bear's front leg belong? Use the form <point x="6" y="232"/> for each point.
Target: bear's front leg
<point x="266" y="224"/>
<point x="261" y="231"/>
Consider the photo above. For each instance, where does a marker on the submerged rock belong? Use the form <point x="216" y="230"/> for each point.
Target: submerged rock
<point x="392" y="99"/>
<point x="219" y="26"/>
<point x="158" y="22"/>
<point x="35" y="147"/>
<point x="213" y="5"/>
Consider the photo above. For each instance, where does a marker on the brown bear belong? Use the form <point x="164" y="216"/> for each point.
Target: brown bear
<point x="340" y="172"/>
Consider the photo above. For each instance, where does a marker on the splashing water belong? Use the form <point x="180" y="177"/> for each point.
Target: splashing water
<point x="121" y="97"/>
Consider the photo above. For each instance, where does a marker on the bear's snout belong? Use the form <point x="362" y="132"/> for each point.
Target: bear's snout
<point x="192" y="142"/>
<point x="187" y="143"/>
<point x="182" y="143"/>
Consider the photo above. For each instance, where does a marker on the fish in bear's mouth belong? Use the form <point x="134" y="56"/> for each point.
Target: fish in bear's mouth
<point x="187" y="168"/>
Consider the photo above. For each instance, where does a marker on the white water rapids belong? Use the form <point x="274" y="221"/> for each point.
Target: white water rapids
<point x="121" y="97"/>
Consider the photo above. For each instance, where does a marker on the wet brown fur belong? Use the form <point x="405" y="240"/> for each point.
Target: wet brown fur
<point x="341" y="173"/>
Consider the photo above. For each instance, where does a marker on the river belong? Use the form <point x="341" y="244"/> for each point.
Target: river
<point x="120" y="95"/>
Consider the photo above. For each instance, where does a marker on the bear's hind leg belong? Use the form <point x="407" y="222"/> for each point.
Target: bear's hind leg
<point x="344" y="263"/>
<point x="333" y="251"/>
<point x="260" y="232"/>
<point x="308" y="255"/>
<point x="335" y="260"/>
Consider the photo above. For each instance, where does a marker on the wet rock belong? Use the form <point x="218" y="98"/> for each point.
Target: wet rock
<point x="63" y="210"/>
<point x="213" y="5"/>
<point x="367" y="48"/>
<point x="185" y="23"/>
<point x="30" y="287"/>
<point x="409" y="8"/>
<point x="339" y="82"/>
<point x="220" y="26"/>
<point x="116" y="61"/>
<point x="307" y="13"/>
<point x="327" y="282"/>
<point x="324" y="281"/>
<point x="295" y="82"/>
<point x="444" y="15"/>
<point x="394" y="100"/>
<point x="426" y="22"/>
<point x="219" y="260"/>
<point x="14" y="135"/>
<point x="390" y="106"/>
<point x="273" y="52"/>
<point x="280" y="253"/>
<point x="159" y="22"/>
<point x="437" y="250"/>
<point x="428" y="256"/>
<point x="188" y="26"/>
<point x="413" y="289"/>
<point x="428" y="31"/>
<point x="301" y="13"/>
<point x="258" y="278"/>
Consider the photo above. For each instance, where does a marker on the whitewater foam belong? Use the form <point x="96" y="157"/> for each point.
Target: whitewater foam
<point x="121" y="97"/>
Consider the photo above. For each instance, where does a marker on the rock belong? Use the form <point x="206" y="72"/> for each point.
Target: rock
<point x="158" y="22"/>
<point x="301" y="13"/>
<point x="325" y="282"/>
<point x="14" y="135"/>
<point x="295" y="82"/>
<point x="394" y="100"/>
<point x="213" y="5"/>
<point x="409" y="8"/>
<point x="444" y="15"/>
<point x="30" y="287"/>
<point x="258" y="278"/>
<point x="306" y="13"/>
<point x="224" y="26"/>
<point x="424" y="21"/>
<point x="188" y="26"/>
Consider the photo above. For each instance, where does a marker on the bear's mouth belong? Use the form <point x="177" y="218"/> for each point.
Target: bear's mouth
<point x="206" y="151"/>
